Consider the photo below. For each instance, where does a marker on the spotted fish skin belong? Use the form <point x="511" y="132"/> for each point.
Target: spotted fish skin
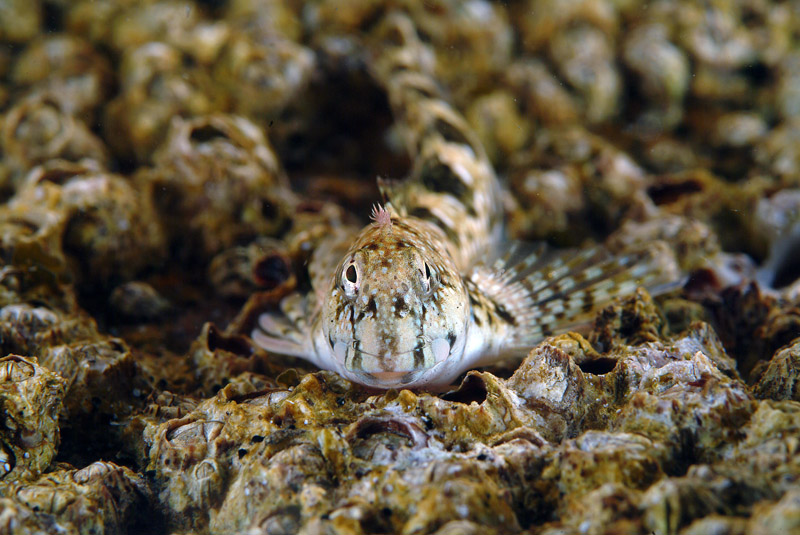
<point x="413" y="302"/>
<point x="398" y="306"/>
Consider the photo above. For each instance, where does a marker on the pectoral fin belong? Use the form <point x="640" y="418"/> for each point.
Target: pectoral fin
<point x="526" y="296"/>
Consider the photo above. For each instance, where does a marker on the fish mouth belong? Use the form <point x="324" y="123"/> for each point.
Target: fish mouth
<point x="386" y="380"/>
<point x="396" y="370"/>
<point x="387" y="365"/>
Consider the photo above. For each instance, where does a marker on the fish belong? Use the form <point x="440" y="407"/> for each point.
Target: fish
<point x="431" y="288"/>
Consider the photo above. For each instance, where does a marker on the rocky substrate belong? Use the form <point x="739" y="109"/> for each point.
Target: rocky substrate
<point x="167" y="167"/>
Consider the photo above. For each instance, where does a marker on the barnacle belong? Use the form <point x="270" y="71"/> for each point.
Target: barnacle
<point x="155" y="88"/>
<point x="42" y="127"/>
<point x="31" y="397"/>
<point x="220" y="181"/>
<point x="264" y="76"/>
<point x="663" y="70"/>
<point x="100" y="497"/>
<point x="19" y="20"/>
<point x="69" y="67"/>
<point x="263" y="265"/>
<point x="137" y="300"/>
<point x="103" y="222"/>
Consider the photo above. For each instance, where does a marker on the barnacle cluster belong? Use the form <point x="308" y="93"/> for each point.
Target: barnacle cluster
<point x="168" y="166"/>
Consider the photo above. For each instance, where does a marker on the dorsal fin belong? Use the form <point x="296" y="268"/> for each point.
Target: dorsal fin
<point x="389" y="188"/>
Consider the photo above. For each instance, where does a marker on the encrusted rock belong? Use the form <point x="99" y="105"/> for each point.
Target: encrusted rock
<point x="99" y="498"/>
<point x="780" y="517"/>
<point x="31" y="397"/>
<point x="170" y="169"/>
<point x="106" y="226"/>
<point x="19" y="20"/>
<point x="263" y="265"/>
<point x="781" y="378"/>
<point x="42" y="127"/>
<point x="69" y="67"/>
<point x="663" y="71"/>
<point x="218" y="182"/>
<point x="155" y="89"/>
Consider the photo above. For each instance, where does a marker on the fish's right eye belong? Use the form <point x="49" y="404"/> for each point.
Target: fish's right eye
<point x="349" y="281"/>
<point x="428" y="277"/>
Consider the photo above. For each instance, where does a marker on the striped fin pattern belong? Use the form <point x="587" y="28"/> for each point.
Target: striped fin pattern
<point x="522" y="300"/>
<point x="285" y="331"/>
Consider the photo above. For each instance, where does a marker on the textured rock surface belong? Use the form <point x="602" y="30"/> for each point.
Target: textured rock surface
<point x="167" y="167"/>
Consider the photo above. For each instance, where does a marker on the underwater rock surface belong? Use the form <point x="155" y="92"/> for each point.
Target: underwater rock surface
<point x="168" y="166"/>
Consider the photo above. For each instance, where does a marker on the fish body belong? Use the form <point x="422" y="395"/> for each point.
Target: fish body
<point x="424" y="292"/>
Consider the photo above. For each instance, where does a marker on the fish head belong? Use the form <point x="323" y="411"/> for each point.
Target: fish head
<point x="397" y="309"/>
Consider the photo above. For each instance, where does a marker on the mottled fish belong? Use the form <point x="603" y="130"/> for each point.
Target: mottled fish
<point x="424" y="293"/>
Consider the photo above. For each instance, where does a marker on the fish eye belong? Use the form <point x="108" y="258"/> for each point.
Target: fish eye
<point x="427" y="276"/>
<point x="351" y="274"/>
<point x="350" y="280"/>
